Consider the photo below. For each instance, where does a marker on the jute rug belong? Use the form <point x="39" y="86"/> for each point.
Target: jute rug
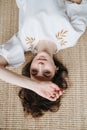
<point x="72" y="114"/>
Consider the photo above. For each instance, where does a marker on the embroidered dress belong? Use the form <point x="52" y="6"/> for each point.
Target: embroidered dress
<point x="62" y="22"/>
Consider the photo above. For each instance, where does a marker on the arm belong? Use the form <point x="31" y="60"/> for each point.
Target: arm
<point x="12" y="77"/>
<point x="45" y="89"/>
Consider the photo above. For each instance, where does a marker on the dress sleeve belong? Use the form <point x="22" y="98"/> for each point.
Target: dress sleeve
<point x="20" y="3"/>
<point x="77" y="14"/>
<point x="13" y="52"/>
<point x="74" y="26"/>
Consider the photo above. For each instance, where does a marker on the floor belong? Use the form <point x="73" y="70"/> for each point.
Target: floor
<point x="72" y="114"/>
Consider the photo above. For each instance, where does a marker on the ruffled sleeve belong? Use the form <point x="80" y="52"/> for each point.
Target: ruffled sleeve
<point x="74" y="25"/>
<point x="77" y="14"/>
<point x="13" y="52"/>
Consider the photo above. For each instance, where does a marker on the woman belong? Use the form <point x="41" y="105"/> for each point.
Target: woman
<point x="44" y="29"/>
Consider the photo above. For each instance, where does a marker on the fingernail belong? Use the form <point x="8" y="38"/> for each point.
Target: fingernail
<point x="60" y="93"/>
<point x="62" y="90"/>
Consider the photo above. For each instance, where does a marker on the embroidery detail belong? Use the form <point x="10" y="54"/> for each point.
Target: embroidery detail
<point x="63" y="42"/>
<point x="29" y="40"/>
<point x="61" y="35"/>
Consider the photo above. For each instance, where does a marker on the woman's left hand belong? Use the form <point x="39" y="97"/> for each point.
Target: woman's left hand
<point x="49" y="90"/>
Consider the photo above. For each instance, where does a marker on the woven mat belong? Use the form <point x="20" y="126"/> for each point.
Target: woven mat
<point x="73" y="111"/>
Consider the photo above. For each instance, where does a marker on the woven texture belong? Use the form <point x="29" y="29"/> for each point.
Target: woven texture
<point x="72" y="114"/>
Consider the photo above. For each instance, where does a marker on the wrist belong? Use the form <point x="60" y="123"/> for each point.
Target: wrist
<point x="32" y="85"/>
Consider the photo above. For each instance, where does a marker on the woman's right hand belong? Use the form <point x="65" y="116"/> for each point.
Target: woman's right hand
<point x="75" y="1"/>
<point x="48" y="90"/>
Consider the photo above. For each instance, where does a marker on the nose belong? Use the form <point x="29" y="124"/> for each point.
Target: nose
<point x="40" y="65"/>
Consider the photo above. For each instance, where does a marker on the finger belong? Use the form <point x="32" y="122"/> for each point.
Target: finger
<point x="54" y="96"/>
<point x="60" y="90"/>
<point x="57" y="96"/>
<point x="54" y="86"/>
<point x="60" y="93"/>
<point x="56" y="89"/>
<point x="55" y="93"/>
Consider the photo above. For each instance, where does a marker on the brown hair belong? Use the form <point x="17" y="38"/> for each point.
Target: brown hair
<point x="37" y="105"/>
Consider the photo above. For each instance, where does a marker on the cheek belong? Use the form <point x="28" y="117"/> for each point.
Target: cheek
<point x="51" y="64"/>
<point x="34" y="63"/>
<point x="32" y="66"/>
<point x="51" y="67"/>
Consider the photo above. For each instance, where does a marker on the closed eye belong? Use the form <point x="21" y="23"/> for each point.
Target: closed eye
<point x="34" y="72"/>
<point x="47" y="74"/>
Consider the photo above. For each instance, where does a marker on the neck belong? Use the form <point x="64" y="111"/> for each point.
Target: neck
<point x="46" y="51"/>
<point x="46" y="46"/>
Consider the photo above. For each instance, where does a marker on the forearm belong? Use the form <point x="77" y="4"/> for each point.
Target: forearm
<point x="47" y="89"/>
<point x="16" y="79"/>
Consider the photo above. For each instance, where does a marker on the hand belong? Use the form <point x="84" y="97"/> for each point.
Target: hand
<point x="75" y="1"/>
<point x="48" y="90"/>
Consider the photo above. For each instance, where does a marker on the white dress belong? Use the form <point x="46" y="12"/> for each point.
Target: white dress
<point x="60" y="21"/>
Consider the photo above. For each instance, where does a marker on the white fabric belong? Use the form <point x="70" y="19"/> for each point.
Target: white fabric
<point x="13" y="52"/>
<point x="60" y="21"/>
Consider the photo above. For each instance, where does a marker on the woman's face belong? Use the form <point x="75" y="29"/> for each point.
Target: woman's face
<point x="42" y="67"/>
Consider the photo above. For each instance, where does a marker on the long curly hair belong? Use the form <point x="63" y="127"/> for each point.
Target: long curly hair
<point x="36" y="105"/>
